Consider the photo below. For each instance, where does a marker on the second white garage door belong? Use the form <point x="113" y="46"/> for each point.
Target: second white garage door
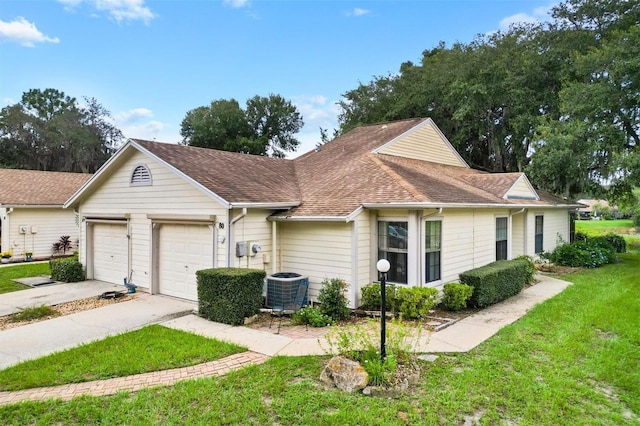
<point x="183" y="250"/>
<point x="110" y="252"/>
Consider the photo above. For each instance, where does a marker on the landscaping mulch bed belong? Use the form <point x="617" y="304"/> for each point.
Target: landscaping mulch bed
<point x="66" y="308"/>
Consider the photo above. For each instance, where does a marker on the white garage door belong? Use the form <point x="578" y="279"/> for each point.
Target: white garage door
<point x="184" y="249"/>
<point x="110" y="252"/>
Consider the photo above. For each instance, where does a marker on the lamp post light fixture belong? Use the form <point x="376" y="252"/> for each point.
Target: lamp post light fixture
<point x="383" y="266"/>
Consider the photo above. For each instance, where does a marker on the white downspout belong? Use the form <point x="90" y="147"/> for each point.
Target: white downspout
<point x="274" y="244"/>
<point x="231" y="233"/>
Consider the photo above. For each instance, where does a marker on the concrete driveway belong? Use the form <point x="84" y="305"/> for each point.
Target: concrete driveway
<point x="42" y="338"/>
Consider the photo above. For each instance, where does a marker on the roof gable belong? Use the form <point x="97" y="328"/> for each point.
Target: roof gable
<point x="423" y="142"/>
<point x="522" y="190"/>
<point x="38" y="188"/>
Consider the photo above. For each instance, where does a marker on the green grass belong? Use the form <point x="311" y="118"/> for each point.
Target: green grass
<point x="9" y="273"/>
<point x="604" y="226"/>
<point x="151" y="348"/>
<point x="572" y="360"/>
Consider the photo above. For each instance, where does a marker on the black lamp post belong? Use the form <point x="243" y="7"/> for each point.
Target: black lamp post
<point x="383" y="266"/>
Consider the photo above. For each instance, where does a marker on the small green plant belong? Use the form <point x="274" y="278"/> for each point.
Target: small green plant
<point x="415" y="302"/>
<point x="360" y="342"/>
<point x="312" y="316"/>
<point x="456" y="295"/>
<point x="33" y="313"/>
<point x="332" y="299"/>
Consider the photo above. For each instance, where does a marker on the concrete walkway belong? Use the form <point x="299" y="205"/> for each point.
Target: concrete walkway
<point x="462" y="336"/>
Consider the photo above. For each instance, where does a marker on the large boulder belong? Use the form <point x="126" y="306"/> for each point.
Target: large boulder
<point x="345" y="374"/>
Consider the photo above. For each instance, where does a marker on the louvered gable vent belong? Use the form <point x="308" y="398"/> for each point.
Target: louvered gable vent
<point x="141" y="176"/>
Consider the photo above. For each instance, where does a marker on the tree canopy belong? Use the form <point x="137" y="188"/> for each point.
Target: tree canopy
<point x="267" y="126"/>
<point x="559" y="100"/>
<point x="48" y="130"/>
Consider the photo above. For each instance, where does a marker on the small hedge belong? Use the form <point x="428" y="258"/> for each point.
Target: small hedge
<point x="409" y="302"/>
<point x="456" y="295"/>
<point x="496" y="281"/>
<point x="228" y="295"/>
<point x="590" y="253"/>
<point x="67" y="270"/>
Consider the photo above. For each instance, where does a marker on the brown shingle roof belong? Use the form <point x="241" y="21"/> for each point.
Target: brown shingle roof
<point x="237" y="178"/>
<point x="32" y="187"/>
<point x="341" y="176"/>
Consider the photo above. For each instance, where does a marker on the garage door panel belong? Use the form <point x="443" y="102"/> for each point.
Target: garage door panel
<point x="183" y="250"/>
<point x="110" y="252"/>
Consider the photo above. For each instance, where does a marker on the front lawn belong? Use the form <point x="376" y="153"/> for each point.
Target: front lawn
<point x="23" y="270"/>
<point x="152" y="348"/>
<point x="620" y="226"/>
<point x="571" y="360"/>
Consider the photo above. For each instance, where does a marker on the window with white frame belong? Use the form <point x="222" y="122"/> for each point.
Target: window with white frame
<point x="392" y="245"/>
<point x="432" y="248"/>
<point x="539" y="234"/>
<point x="501" y="238"/>
<point x="141" y="176"/>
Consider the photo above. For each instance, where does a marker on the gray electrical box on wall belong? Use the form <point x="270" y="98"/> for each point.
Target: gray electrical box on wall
<point x="241" y="248"/>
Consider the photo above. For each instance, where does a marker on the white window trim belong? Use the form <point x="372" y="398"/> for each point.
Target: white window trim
<point x="509" y="236"/>
<point x="423" y="251"/>
<point x="407" y="249"/>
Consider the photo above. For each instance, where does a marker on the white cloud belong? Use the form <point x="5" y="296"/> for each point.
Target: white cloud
<point x="118" y="10"/>
<point x="358" y="12"/>
<point x="139" y="123"/>
<point x="133" y="115"/>
<point x="236" y="4"/>
<point x="539" y="14"/>
<point x="316" y="112"/>
<point x="24" y="32"/>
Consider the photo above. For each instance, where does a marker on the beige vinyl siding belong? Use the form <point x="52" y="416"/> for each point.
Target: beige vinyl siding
<point x="253" y="228"/>
<point x="521" y="189"/>
<point x="518" y="235"/>
<point x="468" y="240"/>
<point x="555" y="225"/>
<point x="169" y="194"/>
<point x="364" y="253"/>
<point x="51" y="223"/>
<point x="317" y="250"/>
<point x="425" y="143"/>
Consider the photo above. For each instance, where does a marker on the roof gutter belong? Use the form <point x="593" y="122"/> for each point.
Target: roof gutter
<point x="344" y="219"/>
<point x="460" y="205"/>
<point x="283" y="205"/>
<point x="34" y="206"/>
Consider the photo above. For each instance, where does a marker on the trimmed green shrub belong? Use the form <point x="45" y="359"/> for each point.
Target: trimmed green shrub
<point x="531" y="267"/>
<point x="415" y="302"/>
<point x="333" y="302"/>
<point x="456" y="295"/>
<point x="67" y="270"/>
<point x="496" y="281"/>
<point x="410" y="302"/>
<point x="371" y="297"/>
<point x="228" y="295"/>
<point x="312" y="316"/>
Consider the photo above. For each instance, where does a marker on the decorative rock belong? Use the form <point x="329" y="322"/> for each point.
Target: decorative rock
<point x="345" y="374"/>
<point x="428" y="357"/>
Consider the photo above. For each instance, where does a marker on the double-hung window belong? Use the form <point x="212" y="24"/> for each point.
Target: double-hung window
<point x="392" y="245"/>
<point x="501" y="238"/>
<point x="432" y="248"/>
<point x="539" y="234"/>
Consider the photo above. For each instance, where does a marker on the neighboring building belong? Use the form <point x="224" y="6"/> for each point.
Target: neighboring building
<point x="591" y="207"/>
<point x="31" y="215"/>
<point x="159" y="212"/>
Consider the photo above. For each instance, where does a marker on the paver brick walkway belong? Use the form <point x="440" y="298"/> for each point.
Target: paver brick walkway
<point x="135" y="382"/>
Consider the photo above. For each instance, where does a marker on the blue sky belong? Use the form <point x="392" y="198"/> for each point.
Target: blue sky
<point x="149" y="62"/>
